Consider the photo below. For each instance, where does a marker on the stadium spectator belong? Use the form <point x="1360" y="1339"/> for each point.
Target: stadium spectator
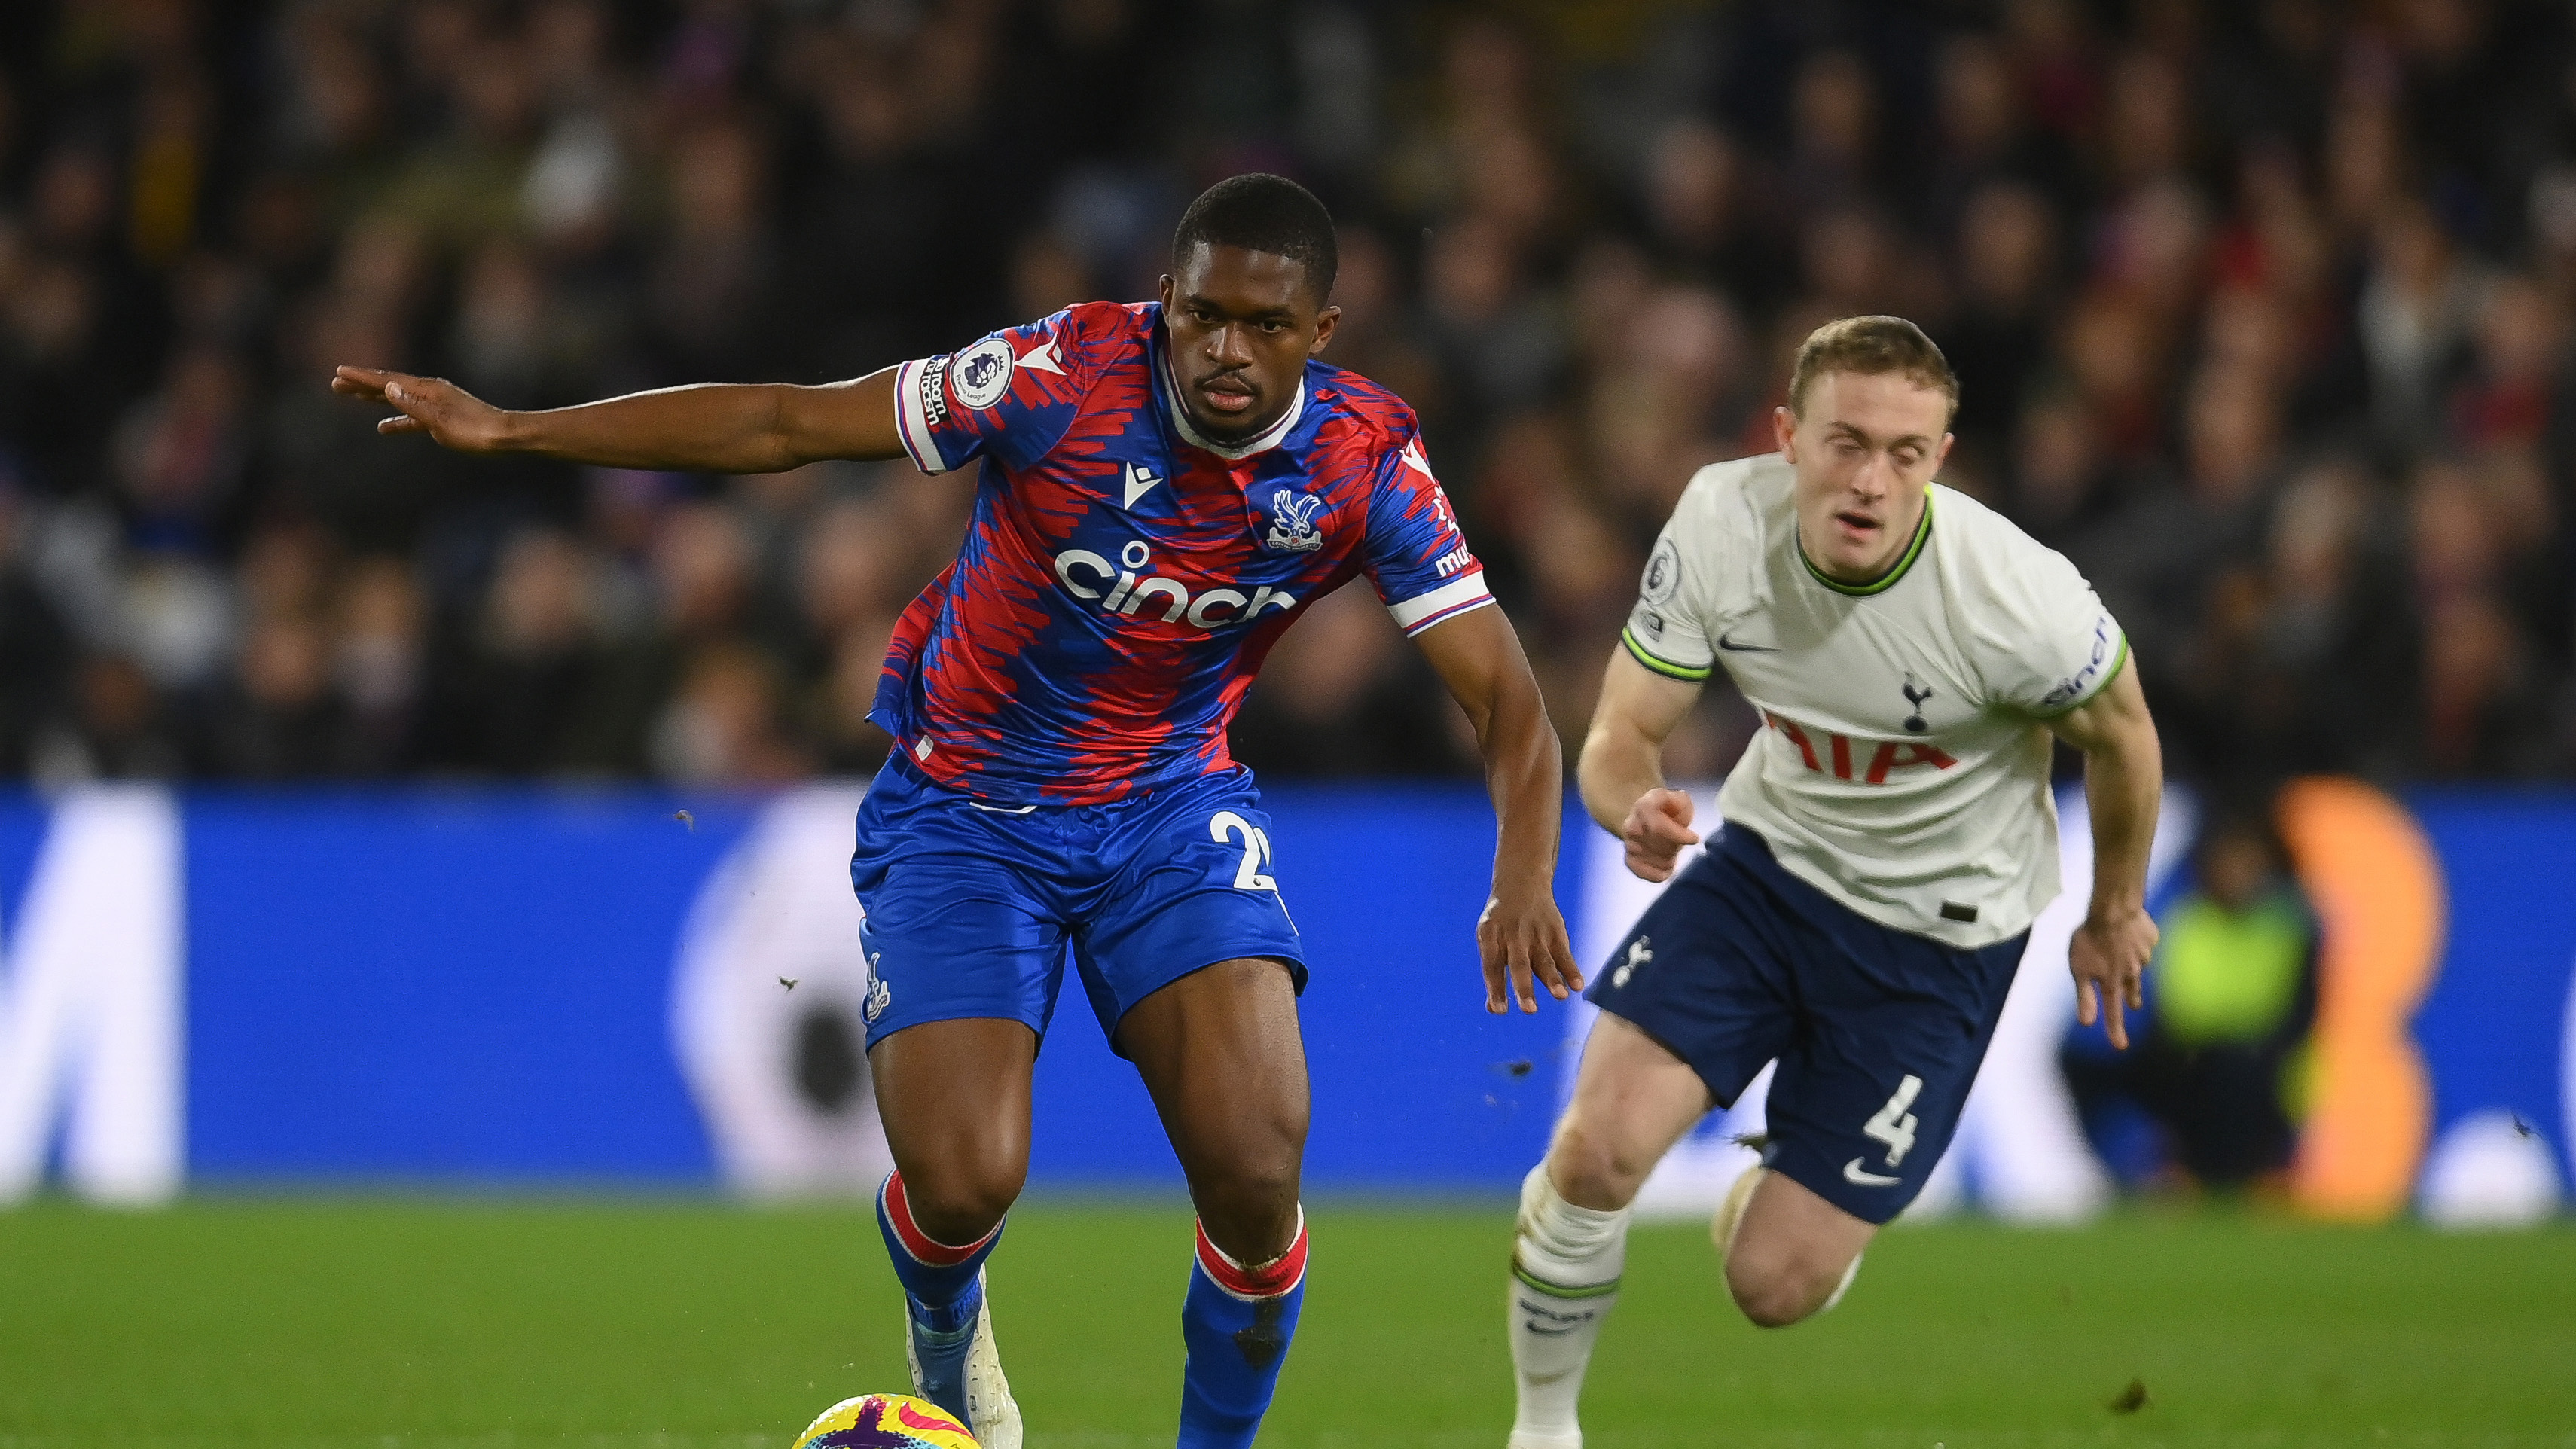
<point x="2213" y="1081"/>
<point x="2260" y="316"/>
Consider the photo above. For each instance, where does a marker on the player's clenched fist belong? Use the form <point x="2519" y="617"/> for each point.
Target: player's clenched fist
<point x="1658" y="827"/>
<point x="451" y="416"/>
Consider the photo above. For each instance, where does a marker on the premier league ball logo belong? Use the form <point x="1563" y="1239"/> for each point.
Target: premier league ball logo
<point x="982" y="373"/>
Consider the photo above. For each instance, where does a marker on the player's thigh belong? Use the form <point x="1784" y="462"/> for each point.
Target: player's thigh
<point x="1706" y="971"/>
<point x="964" y="961"/>
<point x="1194" y="884"/>
<point x="1219" y="1050"/>
<point x="958" y="920"/>
<point x="1633" y="1099"/>
<point x="955" y="1096"/>
<point x="1221" y="1055"/>
<point x="1869" y="1096"/>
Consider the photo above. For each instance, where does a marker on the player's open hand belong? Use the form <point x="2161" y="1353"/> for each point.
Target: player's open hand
<point x="1658" y="827"/>
<point x="2108" y="955"/>
<point x="451" y="416"/>
<point x="1522" y="938"/>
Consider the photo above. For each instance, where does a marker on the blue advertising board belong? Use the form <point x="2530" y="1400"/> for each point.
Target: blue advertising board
<point x="513" y="987"/>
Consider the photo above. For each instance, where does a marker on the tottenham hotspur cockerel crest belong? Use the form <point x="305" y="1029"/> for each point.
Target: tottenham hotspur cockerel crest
<point x="1292" y="523"/>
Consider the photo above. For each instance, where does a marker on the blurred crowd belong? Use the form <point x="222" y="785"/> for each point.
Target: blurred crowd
<point x="2261" y="312"/>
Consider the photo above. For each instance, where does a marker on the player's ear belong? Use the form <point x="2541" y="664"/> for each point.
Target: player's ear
<point x="1784" y="431"/>
<point x="1163" y="293"/>
<point x="1941" y="453"/>
<point x="1325" y="322"/>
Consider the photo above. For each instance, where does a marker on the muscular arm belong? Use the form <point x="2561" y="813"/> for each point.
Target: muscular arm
<point x="707" y="428"/>
<point x="1521" y="935"/>
<point x="1623" y="764"/>
<point x="2123" y="784"/>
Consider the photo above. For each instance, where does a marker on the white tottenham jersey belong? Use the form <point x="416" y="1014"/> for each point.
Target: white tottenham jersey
<point x="1903" y="767"/>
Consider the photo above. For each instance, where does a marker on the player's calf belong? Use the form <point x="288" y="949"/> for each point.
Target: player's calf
<point x="1219" y="1051"/>
<point x="1237" y="1323"/>
<point x="948" y="1322"/>
<point x="1247" y="1283"/>
<point x="1566" y="1265"/>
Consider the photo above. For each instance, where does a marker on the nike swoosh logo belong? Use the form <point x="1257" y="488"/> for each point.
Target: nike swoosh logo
<point x="1551" y="1332"/>
<point x="1852" y="1173"/>
<point x="1724" y="642"/>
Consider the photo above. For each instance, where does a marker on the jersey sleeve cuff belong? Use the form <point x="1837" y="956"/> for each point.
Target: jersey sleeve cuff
<point x="1664" y="667"/>
<point x="1464" y="594"/>
<point x="912" y="415"/>
<point x="2119" y="661"/>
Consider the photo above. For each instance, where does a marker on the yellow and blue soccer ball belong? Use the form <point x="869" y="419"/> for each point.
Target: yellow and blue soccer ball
<point x="886" y="1421"/>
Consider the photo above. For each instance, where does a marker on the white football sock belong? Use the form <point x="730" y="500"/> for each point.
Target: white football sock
<point x="1566" y="1262"/>
<point x="1844" y="1286"/>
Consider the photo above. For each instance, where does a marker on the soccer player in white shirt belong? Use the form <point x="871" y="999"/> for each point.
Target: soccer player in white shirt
<point x="1887" y="838"/>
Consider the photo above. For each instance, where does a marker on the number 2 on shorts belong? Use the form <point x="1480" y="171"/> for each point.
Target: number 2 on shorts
<point x="1894" y="1125"/>
<point x="1256" y="850"/>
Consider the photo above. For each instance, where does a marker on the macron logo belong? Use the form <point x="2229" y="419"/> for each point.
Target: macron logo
<point x="1140" y="481"/>
<point x="1041" y="358"/>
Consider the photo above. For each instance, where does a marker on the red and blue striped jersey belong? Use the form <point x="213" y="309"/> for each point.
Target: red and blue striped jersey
<point x="1123" y="576"/>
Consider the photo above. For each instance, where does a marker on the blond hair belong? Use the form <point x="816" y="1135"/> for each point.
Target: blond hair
<point x="1875" y="346"/>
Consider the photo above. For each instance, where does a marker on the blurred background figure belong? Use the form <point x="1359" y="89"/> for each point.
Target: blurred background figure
<point x="2209" y="1095"/>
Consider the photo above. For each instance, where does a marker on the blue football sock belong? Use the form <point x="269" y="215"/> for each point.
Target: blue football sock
<point x="942" y="1294"/>
<point x="1237" y="1322"/>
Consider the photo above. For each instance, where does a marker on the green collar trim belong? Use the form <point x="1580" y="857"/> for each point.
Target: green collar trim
<point x="1887" y="580"/>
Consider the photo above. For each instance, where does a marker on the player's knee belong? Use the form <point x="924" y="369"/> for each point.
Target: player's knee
<point x="961" y="1197"/>
<point x="1594" y="1170"/>
<point x="1251" y="1191"/>
<point x="1777" y="1290"/>
<point x="1247" y="1200"/>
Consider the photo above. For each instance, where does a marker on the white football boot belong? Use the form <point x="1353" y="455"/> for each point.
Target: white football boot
<point x="991" y="1413"/>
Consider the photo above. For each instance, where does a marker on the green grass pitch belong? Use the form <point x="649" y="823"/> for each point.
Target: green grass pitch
<point x="361" y="1324"/>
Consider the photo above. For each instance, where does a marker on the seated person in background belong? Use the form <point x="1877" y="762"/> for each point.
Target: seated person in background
<point x="2230" y="999"/>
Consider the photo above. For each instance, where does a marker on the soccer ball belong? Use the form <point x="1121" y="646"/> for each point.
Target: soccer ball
<point x="885" y="1421"/>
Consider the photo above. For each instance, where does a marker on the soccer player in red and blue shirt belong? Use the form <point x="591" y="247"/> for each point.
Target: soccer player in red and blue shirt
<point x="1167" y="486"/>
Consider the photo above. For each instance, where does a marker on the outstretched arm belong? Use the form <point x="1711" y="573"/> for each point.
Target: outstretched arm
<point x="2124" y="775"/>
<point x="707" y="428"/>
<point x="1623" y="764"/>
<point x="1521" y="934"/>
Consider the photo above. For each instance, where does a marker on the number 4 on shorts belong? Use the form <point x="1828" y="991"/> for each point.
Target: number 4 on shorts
<point x="1894" y="1125"/>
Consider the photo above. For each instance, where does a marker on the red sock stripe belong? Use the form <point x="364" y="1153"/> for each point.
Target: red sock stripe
<point x="1264" y="1282"/>
<point x="919" y="1244"/>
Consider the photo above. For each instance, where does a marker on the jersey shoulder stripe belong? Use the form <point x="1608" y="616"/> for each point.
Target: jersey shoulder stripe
<point x="1663" y="666"/>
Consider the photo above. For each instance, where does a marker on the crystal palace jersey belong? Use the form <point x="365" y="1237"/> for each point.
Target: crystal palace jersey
<point x="1123" y="576"/>
<point x="1904" y="770"/>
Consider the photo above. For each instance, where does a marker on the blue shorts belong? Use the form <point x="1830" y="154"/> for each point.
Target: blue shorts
<point x="1878" y="1032"/>
<point x="970" y="907"/>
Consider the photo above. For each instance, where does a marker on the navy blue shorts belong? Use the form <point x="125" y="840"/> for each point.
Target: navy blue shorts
<point x="1878" y="1032"/>
<point x="970" y="908"/>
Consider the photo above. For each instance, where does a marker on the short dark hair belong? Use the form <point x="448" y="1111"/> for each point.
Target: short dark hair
<point x="1871" y="345"/>
<point x="1264" y="213"/>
